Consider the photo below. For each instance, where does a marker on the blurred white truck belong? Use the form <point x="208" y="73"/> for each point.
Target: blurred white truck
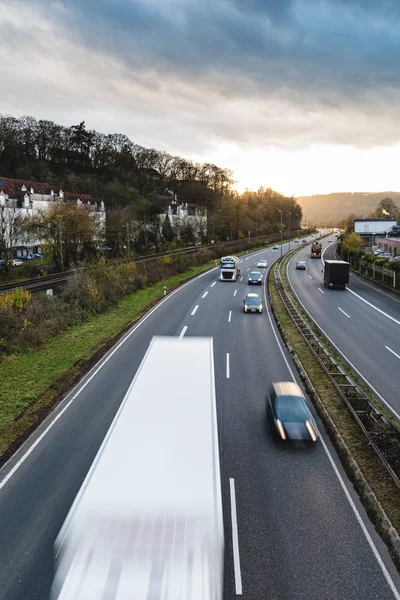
<point x="147" y="522"/>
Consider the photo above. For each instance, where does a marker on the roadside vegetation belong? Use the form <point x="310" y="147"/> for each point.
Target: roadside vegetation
<point x="341" y="426"/>
<point x="49" y="343"/>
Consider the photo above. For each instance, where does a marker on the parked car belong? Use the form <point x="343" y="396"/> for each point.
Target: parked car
<point x="252" y="303"/>
<point x="301" y="265"/>
<point x="17" y="262"/>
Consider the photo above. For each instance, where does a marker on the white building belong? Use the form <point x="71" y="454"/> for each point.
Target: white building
<point x="180" y="214"/>
<point x="20" y="199"/>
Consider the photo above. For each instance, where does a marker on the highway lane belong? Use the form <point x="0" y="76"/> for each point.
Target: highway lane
<point x="297" y="535"/>
<point x="368" y="337"/>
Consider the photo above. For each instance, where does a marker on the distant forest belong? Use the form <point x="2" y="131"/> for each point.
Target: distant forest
<point x="126" y="175"/>
<point x="330" y="208"/>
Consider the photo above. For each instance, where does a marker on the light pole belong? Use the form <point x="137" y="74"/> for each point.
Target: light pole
<point x="249" y="232"/>
<point x="289" y="230"/>
<point x="281" y="233"/>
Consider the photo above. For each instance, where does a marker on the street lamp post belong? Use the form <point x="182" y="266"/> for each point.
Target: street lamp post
<point x="289" y="230"/>
<point x="281" y="232"/>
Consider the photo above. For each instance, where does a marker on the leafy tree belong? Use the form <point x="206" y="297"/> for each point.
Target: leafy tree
<point x="353" y="242"/>
<point x="186" y="233"/>
<point x="68" y="229"/>
<point x="387" y="208"/>
<point x="167" y="231"/>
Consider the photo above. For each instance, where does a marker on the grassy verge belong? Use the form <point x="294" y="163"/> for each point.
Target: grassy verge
<point x="32" y="383"/>
<point x="345" y="434"/>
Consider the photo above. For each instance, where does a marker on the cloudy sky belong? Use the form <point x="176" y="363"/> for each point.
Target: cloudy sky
<point x="299" y="95"/>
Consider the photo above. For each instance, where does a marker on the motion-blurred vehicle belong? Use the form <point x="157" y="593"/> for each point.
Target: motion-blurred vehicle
<point x="275" y="247"/>
<point x="304" y="241"/>
<point x="255" y="278"/>
<point x="262" y="263"/>
<point x="152" y="528"/>
<point x="301" y="265"/>
<point x="289" y="411"/>
<point x="253" y="303"/>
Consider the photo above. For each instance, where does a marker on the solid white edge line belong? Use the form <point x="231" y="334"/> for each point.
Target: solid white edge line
<point x="373" y="306"/>
<point x="235" y="292"/>
<point x="322" y="291"/>
<point x="235" y="539"/>
<point x="93" y="372"/>
<point x="341" y="310"/>
<point x="392" y="351"/>
<point x="375" y="391"/>
<point x="370" y="541"/>
<point x="227" y="366"/>
<point x="204" y="295"/>
<point x="230" y="315"/>
<point x="183" y="332"/>
<point x="194" y="310"/>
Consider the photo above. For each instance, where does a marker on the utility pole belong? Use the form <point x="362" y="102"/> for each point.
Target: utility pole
<point x="61" y="248"/>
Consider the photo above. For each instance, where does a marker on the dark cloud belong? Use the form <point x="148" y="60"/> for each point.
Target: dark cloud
<point x="273" y="72"/>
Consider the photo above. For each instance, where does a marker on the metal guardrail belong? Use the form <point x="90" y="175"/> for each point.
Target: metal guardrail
<point x="44" y="282"/>
<point x="382" y="436"/>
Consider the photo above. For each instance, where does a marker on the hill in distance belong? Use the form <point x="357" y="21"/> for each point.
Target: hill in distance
<point x="326" y="208"/>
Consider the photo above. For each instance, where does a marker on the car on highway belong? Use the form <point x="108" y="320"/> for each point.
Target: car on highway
<point x="296" y="241"/>
<point x="301" y="265"/>
<point x="262" y="263"/>
<point x="275" y="247"/>
<point x="252" y="303"/>
<point x="289" y="411"/>
<point x="17" y="262"/>
<point x="304" y="241"/>
<point x="255" y="278"/>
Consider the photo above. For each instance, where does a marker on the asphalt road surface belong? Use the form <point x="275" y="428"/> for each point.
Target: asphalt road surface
<point x="302" y="533"/>
<point x="363" y="322"/>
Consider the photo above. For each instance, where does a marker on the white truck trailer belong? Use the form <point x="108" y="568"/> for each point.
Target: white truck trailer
<point x="229" y="268"/>
<point x="147" y="522"/>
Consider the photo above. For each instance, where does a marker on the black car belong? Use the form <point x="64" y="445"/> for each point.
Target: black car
<point x="255" y="278"/>
<point x="290" y="413"/>
<point x="252" y="303"/>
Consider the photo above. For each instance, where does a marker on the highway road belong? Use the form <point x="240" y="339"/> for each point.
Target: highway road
<point x="362" y="321"/>
<point x="302" y="533"/>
